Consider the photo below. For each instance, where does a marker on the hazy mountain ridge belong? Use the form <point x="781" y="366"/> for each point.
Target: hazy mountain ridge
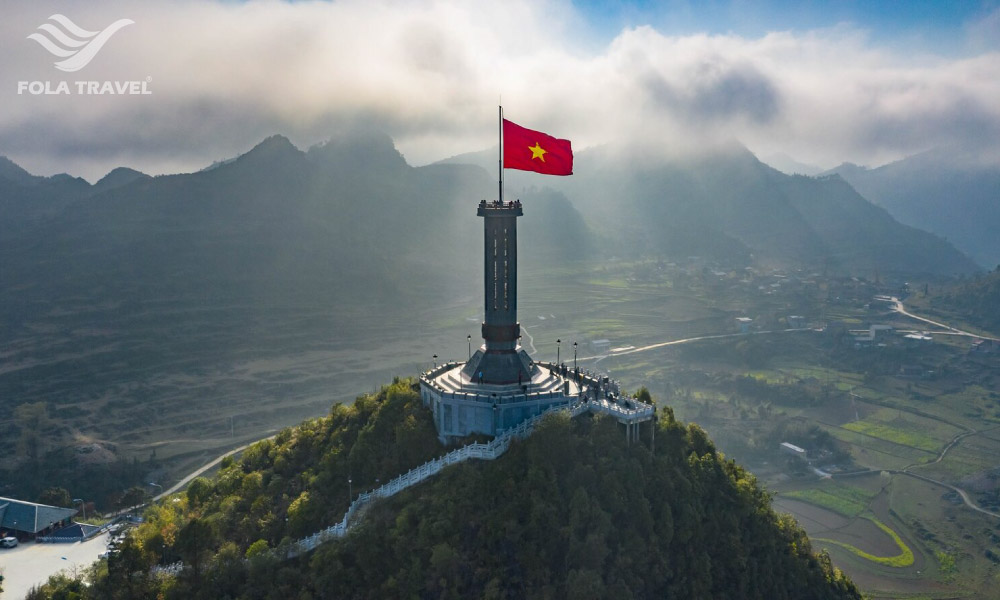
<point x="275" y="212"/>
<point x="952" y="192"/>
<point x="728" y="205"/>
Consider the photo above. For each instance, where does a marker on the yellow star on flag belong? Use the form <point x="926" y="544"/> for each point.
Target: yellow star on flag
<point x="537" y="151"/>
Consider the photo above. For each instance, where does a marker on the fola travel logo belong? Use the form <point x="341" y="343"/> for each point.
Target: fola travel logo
<point x="73" y="43"/>
<point x="76" y="47"/>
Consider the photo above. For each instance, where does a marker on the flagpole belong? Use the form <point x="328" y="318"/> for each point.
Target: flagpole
<point x="500" y="162"/>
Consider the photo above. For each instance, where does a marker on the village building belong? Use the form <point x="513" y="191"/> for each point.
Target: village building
<point x="29" y="520"/>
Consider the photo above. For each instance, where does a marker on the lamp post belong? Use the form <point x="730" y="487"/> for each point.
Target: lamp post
<point x="558" y="343"/>
<point x="83" y="507"/>
<point x="74" y="568"/>
<point x="350" y="490"/>
<point x="574" y="356"/>
<point x="469" y="338"/>
<point x="435" y="361"/>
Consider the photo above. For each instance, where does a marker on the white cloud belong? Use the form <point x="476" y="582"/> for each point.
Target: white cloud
<point x="225" y="74"/>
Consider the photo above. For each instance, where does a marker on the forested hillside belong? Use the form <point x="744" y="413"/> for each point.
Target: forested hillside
<point x="975" y="300"/>
<point x="949" y="191"/>
<point x="571" y="512"/>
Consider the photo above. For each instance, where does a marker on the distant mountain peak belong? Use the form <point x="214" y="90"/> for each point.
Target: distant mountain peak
<point x="275" y="141"/>
<point x="118" y="177"/>
<point x="790" y="166"/>
<point x="359" y="147"/>
<point x="271" y="153"/>
<point x="11" y="171"/>
<point x="274" y="145"/>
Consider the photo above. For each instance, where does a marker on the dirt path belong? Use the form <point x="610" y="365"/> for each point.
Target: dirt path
<point x="531" y="340"/>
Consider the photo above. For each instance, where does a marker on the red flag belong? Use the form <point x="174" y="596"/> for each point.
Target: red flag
<point x="530" y="150"/>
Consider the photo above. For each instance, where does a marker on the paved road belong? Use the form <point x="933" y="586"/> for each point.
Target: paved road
<point x="957" y="490"/>
<point x="31" y="564"/>
<point x="897" y="305"/>
<point x="720" y="336"/>
<point x="200" y="470"/>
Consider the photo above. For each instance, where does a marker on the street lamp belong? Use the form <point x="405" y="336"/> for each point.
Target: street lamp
<point x="435" y="361"/>
<point x="558" y="342"/>
<point x="83" y="507"/>
<point x="350" y="489"/>
<point x="469" y="338"/>
<point x="574" y="356"/>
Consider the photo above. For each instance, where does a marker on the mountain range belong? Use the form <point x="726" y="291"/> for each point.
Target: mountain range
<point x="728" y="205"/>
<point x="952" y="192"/>
<point x="349" y="224"/>
<point x="346" y="218"/>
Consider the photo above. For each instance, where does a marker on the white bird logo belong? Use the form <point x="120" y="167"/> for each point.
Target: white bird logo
<point x="74" y="44"/>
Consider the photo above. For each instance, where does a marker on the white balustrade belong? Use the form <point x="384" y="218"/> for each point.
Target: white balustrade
<point x="489" y="451"/>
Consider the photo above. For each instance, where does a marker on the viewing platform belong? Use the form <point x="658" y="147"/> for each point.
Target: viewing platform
<point x="462" y="407"/>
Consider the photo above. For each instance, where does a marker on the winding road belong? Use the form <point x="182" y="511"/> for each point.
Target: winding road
<point x="201" y="470"/>
<point x="897" y="306"/>
<point x="965" y="497"/>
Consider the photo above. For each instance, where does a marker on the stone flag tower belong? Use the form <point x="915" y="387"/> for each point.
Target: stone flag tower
<point x="501" y="386"/>
<point x="501" y="360"/>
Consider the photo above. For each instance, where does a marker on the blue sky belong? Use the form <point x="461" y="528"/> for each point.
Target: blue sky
<point x="933" y="26"/>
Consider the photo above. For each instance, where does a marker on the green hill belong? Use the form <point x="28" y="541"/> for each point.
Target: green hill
<point x="571" y="512"/>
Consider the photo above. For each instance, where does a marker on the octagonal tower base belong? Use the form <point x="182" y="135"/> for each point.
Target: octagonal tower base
<point x="463" y="406"/>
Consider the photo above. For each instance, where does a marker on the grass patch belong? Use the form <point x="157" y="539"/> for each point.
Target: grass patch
<point x="769" y="377"/>
<point x="895" y="435"/>
<point x="903" y="559"/>
<point x="879" y="453"/>
<point x="946" y="565"/>
<point x="842" y="499"/>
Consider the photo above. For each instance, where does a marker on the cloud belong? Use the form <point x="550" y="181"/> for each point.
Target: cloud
<point x="984" y="33"/>
<point x="226" y="74"/>
<point x="712" y="89"/>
